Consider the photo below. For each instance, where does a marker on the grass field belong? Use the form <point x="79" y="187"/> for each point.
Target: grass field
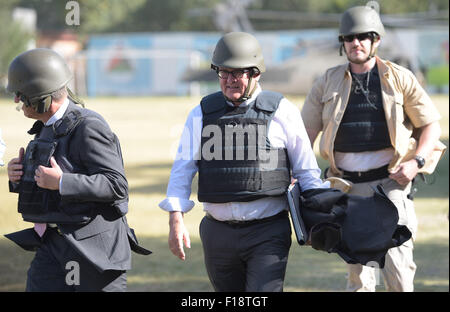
<point x="149" y="129"/>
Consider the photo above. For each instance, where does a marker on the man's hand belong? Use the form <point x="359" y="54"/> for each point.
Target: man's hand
<point x="15" y="167"/>
<point x="178" y="235"/>
<point x="48" y="177"/>
<point x="405" y="172"/>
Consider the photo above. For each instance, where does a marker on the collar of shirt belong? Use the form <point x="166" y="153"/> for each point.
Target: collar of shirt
<point x="253" y="97"/>
<point x="59" y="113"/>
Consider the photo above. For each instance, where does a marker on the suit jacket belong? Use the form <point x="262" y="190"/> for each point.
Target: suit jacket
<point x="93" y="176"/>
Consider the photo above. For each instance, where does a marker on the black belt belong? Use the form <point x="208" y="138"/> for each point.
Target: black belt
<point x="366" y="176"/>
<point x="249" y="222"/>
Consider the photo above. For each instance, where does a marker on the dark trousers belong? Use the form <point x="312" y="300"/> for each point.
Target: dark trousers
<point x="249" y="257"/>
<point x="57" y="267"/>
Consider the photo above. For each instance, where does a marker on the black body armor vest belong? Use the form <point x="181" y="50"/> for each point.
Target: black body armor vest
<point x="363" y="126"/>
<point x="42" y="205"/>
<point x="237" y="161"/>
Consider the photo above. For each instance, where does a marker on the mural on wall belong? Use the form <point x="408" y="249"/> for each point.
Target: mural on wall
<point x="179" y="63"/>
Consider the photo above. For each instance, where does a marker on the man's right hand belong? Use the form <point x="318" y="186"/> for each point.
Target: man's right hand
<point x="178" y="235"/>
<point x="15" y="167"/>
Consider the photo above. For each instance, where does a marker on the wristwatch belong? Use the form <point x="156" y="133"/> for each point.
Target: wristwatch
<point x="420" y="161"/>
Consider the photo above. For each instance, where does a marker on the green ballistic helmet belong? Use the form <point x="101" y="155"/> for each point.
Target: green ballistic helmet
<point x="238" y="50"/>
<point x="360" y="19"/>
<point x="35" y="74"/>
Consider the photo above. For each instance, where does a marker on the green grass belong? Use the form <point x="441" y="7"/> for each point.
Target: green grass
<point x="149" y="130"/>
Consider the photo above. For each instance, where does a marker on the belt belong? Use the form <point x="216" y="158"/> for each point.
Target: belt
<point x="241" y="223"/>
<point x="366" y="176"/>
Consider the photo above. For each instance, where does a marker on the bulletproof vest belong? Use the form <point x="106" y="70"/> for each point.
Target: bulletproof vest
<point x="238" y="163"/>
<point x="42" y="205"/>
<point x="363" y="126"/>
<point x="359" y="229"/>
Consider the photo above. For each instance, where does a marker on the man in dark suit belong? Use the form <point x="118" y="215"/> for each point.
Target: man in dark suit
<point x="71" y="184"/>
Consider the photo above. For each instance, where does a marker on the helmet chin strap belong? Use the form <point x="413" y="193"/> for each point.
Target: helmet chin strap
<point x="372" y="51"/>
<point x="247" y="93"/>
<point x="74" y="98"/>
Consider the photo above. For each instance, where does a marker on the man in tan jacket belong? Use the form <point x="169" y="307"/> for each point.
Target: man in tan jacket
<point x="378" y="127"/>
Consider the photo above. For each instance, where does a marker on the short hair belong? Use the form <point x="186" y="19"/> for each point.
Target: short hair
<point x="59" y="94"/>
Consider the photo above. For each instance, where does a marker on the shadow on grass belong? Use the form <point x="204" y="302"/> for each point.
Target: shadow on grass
<point x="432" y="260"/>
<point x="140" y="168"/>
<point x="308" y="270"/>
<point x="161" y="171"/>
<point x="151" y="171"/>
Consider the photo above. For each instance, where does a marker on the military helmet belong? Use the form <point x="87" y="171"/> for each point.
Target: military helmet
<point x="37" y="73"/>
<point x="360" y="19"/>
<point x="238" y="50"/>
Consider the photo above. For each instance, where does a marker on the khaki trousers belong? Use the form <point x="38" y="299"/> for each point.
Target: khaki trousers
<point x="398" y="272"/>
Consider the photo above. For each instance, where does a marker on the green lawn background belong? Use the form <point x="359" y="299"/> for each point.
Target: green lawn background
<point x="149" y="130"/>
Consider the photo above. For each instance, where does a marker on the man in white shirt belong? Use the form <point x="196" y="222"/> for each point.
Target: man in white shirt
<point x="244" y="142"/>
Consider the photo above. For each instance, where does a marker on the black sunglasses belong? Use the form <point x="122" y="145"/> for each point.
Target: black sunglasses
<point x="360" y="37"/>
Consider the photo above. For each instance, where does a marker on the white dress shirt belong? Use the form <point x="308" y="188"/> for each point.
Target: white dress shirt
<point x="286" y="130"/>
<point x="59" y="113"/>
<point x="54" y="118"/>
<point x="364" y="161"/>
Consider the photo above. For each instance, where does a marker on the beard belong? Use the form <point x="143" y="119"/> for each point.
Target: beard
<point x="360" y="58"/>
<point x="359" y="61"/>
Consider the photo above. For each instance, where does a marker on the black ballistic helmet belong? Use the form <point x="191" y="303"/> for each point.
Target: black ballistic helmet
<point x="35" y="74"/>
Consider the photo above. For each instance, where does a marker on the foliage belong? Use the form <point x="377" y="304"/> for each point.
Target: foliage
<point x="338" y="6"/>
<point x="309" y="9"/>
<point x="168" y="15"/>
<point x="100" y="16"/>
<point x="95" y="15"/>
<point x="13" y="37"/>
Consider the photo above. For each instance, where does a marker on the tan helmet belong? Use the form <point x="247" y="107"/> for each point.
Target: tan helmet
<point x="35" y="74"/>
<point x="361" y="19"/>
<point x="238" y="50"/>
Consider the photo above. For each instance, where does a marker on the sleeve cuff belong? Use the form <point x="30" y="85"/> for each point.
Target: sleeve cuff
<point x="176" y="204"/>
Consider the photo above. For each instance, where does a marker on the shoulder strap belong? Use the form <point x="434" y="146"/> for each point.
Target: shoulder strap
<point x="212" y="103"/>
<point x="65" y="125"/>
<point x="268" y="101"/>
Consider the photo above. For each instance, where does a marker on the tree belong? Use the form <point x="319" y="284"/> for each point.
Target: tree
<point x="103" y="16"/>
<point x="14" y="40"/>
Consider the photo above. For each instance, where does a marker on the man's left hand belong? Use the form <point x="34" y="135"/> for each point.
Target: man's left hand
<point x="48" y="177"/>
<point x="405" y="172"/>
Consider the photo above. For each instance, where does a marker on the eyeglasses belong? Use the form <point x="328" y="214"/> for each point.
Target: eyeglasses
<point x="224" y="74"/>
<point x="360" y="37"/>
<point x="27" y="102"/>
<point x="23" y="99"/>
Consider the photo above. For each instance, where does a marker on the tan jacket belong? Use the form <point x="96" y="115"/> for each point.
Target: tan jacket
<point x="406" y="105"/>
